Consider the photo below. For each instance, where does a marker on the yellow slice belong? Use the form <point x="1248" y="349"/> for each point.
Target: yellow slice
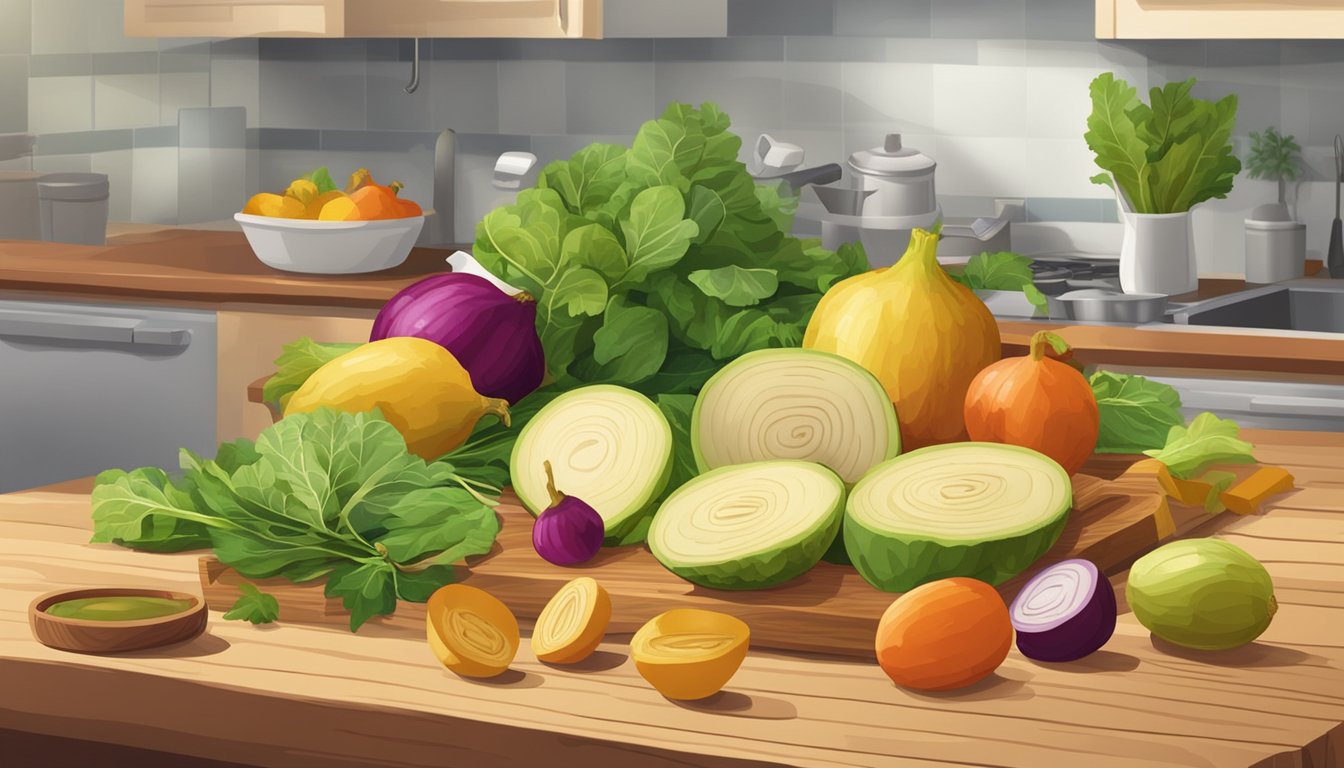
<point x="470" y="631"/>
<point x="573" y="623"/>
<point x="689" y="653"/>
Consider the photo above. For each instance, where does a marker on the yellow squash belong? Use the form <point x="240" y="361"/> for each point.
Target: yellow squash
<point x="690" y="653"/>
<point x="921" y="333"/>
<point x="419" y="386"/>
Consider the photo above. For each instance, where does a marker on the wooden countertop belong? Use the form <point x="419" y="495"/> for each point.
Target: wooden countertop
<point x="195" y="265"/>
<point x="299" y="696"/>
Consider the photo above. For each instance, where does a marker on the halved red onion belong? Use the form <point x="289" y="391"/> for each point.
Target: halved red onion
<point x="1064" y="613"/>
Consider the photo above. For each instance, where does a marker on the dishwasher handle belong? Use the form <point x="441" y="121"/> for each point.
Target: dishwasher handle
<point x="1288" y="405"/>
<point x="97" y="328"/>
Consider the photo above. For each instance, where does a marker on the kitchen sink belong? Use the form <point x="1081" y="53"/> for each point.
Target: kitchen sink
<point x="1297" y="305"/>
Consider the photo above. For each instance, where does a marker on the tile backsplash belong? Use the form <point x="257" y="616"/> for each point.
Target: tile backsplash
<point x="995" y="90"/>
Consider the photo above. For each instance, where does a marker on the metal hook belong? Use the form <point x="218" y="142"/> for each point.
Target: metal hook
<point x="415" y="69"/>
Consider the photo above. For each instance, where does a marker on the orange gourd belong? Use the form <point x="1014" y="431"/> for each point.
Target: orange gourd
<point x="946" y="634"/>
<point x="379" y="201"/>
<point x="1035" y="402"/>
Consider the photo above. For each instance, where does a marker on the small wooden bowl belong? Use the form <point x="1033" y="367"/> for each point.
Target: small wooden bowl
<point x="93" y="636"/>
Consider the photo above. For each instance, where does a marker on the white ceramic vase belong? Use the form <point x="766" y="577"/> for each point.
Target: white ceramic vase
<point x="1157" y="253"/>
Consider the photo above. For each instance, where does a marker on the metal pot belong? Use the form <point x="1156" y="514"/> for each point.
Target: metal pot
<point x="901" y="179"/>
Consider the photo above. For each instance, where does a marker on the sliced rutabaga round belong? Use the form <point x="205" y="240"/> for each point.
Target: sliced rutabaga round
<point x="1065" y="612"/>
<point x="797" y="404"/>
<point x="749" y="526"/>
<point x="982" y="510"/>
<point x="607" y="445"/>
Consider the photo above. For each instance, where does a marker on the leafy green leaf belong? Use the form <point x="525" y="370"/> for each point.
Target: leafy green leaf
<point x="417" y="586"/>
<point x="588" y="178"/>
<point x="707" y="211"/>
<point x="322" y="178"/>
<point x="365" y="589"/>
<point x="594" y="246"/>
<point x="297" y="361"/>
<point x="144" y="509"/>
<point x="677" y="409"/>
<point x="1113" y="135"/>
<point x="1218" y="482"/>
<point x="254" y="606"/>
<point x="1002" y="271"/>
<point x="736" y="286"/>
<point x="656" y="235"/>
<point x="1208" y="440"/>
<point x="1136" y="414"/>
<point x="632" y="342"/>
<point x="448" y="523"/>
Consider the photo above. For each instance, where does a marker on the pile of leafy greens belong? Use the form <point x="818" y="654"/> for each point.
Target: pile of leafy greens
<point x="1166" y="156"/>
<point x="1136" y="414"/>
<point x="652" y="265"/>
<point x="326" y="494"/>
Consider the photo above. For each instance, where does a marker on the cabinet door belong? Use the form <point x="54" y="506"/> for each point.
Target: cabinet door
<point x="1220" y="19"/>
<point x="474" y="18"/>
<point x="235" y="18"/>
<point x="364" y="18"/>
<point x="249" y="342"/>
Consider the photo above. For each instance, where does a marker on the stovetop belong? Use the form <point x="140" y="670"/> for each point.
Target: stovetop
<point x="1054" y="275"/>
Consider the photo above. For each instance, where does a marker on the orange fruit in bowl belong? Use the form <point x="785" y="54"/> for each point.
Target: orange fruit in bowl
<point x="341" y="208"/>
<point x="375" y="201"/>
<point x="275" y="206"/>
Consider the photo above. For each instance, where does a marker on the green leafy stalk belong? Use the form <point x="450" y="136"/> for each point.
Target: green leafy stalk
<point x="1166" y="156"/>
<point x="322" y="494"/>
<point x="1208" y="440"/>
<point x="1136" y="414"/>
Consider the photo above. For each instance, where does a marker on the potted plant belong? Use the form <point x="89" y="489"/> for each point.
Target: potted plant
<point x="1162" y="159"/>
<point x="1275" y="156"/>
<point x="1276" y="245"/>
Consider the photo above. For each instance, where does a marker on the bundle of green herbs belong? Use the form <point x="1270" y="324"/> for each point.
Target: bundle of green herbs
<point x="1167" y="156"/>
<point x="326" y="494"/>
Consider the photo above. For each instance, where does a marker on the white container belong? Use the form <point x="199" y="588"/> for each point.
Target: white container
<point x="74" y="207"/>
<point x="1275" y="251"/>
<point x="330" y="247"/>
<point x="901" y="179"/>
<point x="20" y="213"/>
<point x="1157" y="254"/>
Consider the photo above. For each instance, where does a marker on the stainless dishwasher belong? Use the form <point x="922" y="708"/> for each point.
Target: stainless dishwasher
<point x="87" y="387"/>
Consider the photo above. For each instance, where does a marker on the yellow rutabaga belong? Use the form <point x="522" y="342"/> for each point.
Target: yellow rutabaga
<point x="922" y="334"/>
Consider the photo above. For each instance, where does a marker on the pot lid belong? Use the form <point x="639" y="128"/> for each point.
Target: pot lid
<point x="892" y="159"/>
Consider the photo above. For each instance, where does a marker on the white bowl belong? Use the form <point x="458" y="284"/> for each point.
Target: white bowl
<point x="330" y="247"/>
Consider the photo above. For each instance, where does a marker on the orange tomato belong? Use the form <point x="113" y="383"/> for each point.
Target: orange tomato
<point x="1035" y="402"/>
<point x="946" y="634"/>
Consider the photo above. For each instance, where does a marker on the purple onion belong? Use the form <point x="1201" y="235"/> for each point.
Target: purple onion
<point x="568" y="532"/>
<point x="1064" y="613"/>
<point x="492" y="334"/>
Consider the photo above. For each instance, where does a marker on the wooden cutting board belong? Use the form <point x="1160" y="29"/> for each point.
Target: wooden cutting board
<point x="829" y="610"/>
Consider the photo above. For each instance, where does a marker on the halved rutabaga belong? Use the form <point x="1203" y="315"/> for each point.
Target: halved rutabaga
<point x="982" y="510"/>
<point x="797" y="404"/>
<point x="608" y="445"/>
<point x="749" y="526"/>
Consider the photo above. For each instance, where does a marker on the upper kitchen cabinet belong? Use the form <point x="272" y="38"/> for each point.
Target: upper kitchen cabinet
<point x="364" y="18"/>
<point x="1225" y="19"/>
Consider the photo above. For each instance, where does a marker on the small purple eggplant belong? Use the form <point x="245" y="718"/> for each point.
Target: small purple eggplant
<point x="568" y="532"/>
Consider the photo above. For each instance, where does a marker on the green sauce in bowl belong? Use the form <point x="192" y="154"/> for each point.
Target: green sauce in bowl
<point x="119" y="608"/>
